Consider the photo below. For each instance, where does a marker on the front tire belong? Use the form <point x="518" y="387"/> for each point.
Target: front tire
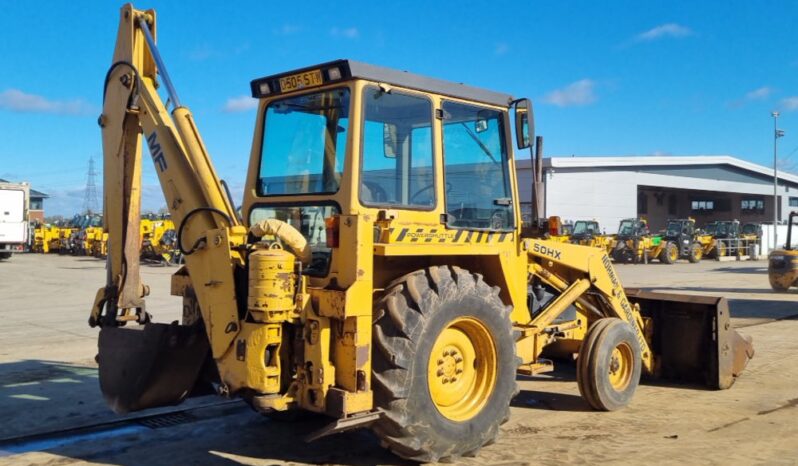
<point x="669" y="254"/>
<point x="695" y="253"/>
<point x="444" y="364"/>
<point x="609" y="365"/>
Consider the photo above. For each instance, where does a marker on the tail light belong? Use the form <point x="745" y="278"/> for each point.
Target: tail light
<point x="331" y="228"/>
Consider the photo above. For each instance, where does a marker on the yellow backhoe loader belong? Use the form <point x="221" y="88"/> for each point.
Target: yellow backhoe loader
<point x="371" y="279"/>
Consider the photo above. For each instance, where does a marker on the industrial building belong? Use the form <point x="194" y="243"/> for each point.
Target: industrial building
<point x="707" y="188"/>
<point x="36" y="207"/>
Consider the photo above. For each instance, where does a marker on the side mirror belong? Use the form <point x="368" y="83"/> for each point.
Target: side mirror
<point x="390" y="140"/>
<point x="524" y="123"/>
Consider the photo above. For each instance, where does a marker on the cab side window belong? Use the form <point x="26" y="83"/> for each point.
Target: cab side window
<point x="478" y="193"/>
<point x="396" y="165"/>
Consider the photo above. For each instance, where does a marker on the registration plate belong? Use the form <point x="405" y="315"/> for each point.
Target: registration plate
<point x="301" y="80"/>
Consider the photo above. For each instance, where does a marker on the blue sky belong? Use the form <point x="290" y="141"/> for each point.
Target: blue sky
<point x="607" y="78"/>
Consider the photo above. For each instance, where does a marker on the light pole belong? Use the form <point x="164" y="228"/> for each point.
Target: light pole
<point x="777" y="133"/>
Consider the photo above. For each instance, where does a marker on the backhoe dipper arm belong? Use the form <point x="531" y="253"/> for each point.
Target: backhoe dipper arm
<point x="209" y="230"/>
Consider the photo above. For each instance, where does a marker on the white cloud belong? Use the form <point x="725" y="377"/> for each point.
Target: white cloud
<point x="240" y="104"/>
<point x="664" y="30"/>
<point x="15" y="100"/>
<point x="577" y="93"/>
<point x="789" y="104"/>
<point x="759" y="94"/>
<point x="501" y="48"/>
<point x="347" y="33"/>
<point x="286" y="30"/>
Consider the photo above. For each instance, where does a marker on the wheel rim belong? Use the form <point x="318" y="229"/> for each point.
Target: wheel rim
<point x="674" y="253"/>
<point x="697" y="254"/>
<point x="462" y="369"/>
<point x="621" y="366"/>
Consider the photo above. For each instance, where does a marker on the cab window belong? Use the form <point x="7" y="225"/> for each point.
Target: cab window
<point x="396" y="165"/>
<point x="478" y="193"/>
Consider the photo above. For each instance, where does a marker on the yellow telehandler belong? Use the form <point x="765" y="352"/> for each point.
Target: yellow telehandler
<point x="370" y="278"/>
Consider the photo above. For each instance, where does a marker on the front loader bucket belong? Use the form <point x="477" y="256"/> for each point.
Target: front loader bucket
<point x="692" y="339"/>
<point x="150" y="365"/>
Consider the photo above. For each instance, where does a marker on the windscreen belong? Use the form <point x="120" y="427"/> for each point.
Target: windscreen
<point x="627" y="228"/>
<point x="304" y="144"/>
<point x="585" y="228"/>
<point x="674" y="229"/>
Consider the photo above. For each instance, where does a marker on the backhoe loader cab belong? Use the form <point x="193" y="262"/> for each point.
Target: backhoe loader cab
<point x="378" y="274"/>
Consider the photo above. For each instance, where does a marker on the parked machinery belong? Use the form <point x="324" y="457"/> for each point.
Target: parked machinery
<point x="686" y="240"/>
<point x="635" y="243"/>
<point x="44" y="237"/>
<point x="158" y="241"/>
<point x="783" y="263"/>
<point x="588" y="233"/>
<point x="730" y="240"/>
<point x="371" y="279"/>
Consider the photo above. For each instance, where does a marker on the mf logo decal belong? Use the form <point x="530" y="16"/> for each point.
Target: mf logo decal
<point x="156" y="152"/>
<point x="546" y="251"/>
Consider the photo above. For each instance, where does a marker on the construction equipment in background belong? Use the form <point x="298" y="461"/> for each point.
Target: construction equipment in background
<point x="688" y="244"/>
<point x="730" y="240"/>
<point x="14" y="230"/>
<point x="44" y="235"/>
<point x="635" y="243"/>
<point x="558" y="231"/>
<point x="783" y="263"/>
<point x="588" y="233"/>
<point x="370" y="279"/>
<point x="158" y="241"/>
<point x="87" y="228"/>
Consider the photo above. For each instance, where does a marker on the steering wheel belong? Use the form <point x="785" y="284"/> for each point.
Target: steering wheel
<point x="378" y="194"/>
<point x="427" y="188"/>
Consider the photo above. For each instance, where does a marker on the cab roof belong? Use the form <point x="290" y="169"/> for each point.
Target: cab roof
<point x="350" y="69"/>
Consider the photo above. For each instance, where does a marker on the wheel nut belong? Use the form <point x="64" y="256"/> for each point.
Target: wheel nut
<point x="458" y="359"/>
<point x="458" y="371"/>
<point x="440" y="361"/>
<point x="440" y="372"/>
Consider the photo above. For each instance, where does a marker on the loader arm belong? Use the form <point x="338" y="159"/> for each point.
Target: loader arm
<point x="573" y="270"/>
<point x="209" y="232"/>
<point x="681" y="337"/>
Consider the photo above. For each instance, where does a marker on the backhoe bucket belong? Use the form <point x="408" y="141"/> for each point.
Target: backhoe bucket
<point x="692" y="340"/>
<point x="150" y="365"/>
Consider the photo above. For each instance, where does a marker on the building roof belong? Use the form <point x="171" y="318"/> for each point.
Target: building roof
<point x="33" y="192"/>
<point x="658" y="161"/>
<point x="351" y="69"/>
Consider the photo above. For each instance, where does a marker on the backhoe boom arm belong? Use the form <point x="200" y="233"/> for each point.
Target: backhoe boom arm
<point x="197" y="202"/>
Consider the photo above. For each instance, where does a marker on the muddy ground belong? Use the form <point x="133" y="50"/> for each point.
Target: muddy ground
<point x="48" y="383"/>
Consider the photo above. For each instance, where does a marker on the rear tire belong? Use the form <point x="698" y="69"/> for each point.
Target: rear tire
<point x="669" y="254"/>
<point x="695" y="253"/>
<point x="444" y="364"/>
<point x="609" y="365"/>
<point x="777" y="287"/>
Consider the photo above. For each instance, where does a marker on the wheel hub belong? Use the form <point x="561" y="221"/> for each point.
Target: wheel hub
<point x="620" y="367"/>
<point x="450" y="365"/>
<point x="462" y="369"/>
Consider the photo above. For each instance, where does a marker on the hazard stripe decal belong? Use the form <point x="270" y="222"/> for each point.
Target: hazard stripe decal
<point x="436" y="235"/>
